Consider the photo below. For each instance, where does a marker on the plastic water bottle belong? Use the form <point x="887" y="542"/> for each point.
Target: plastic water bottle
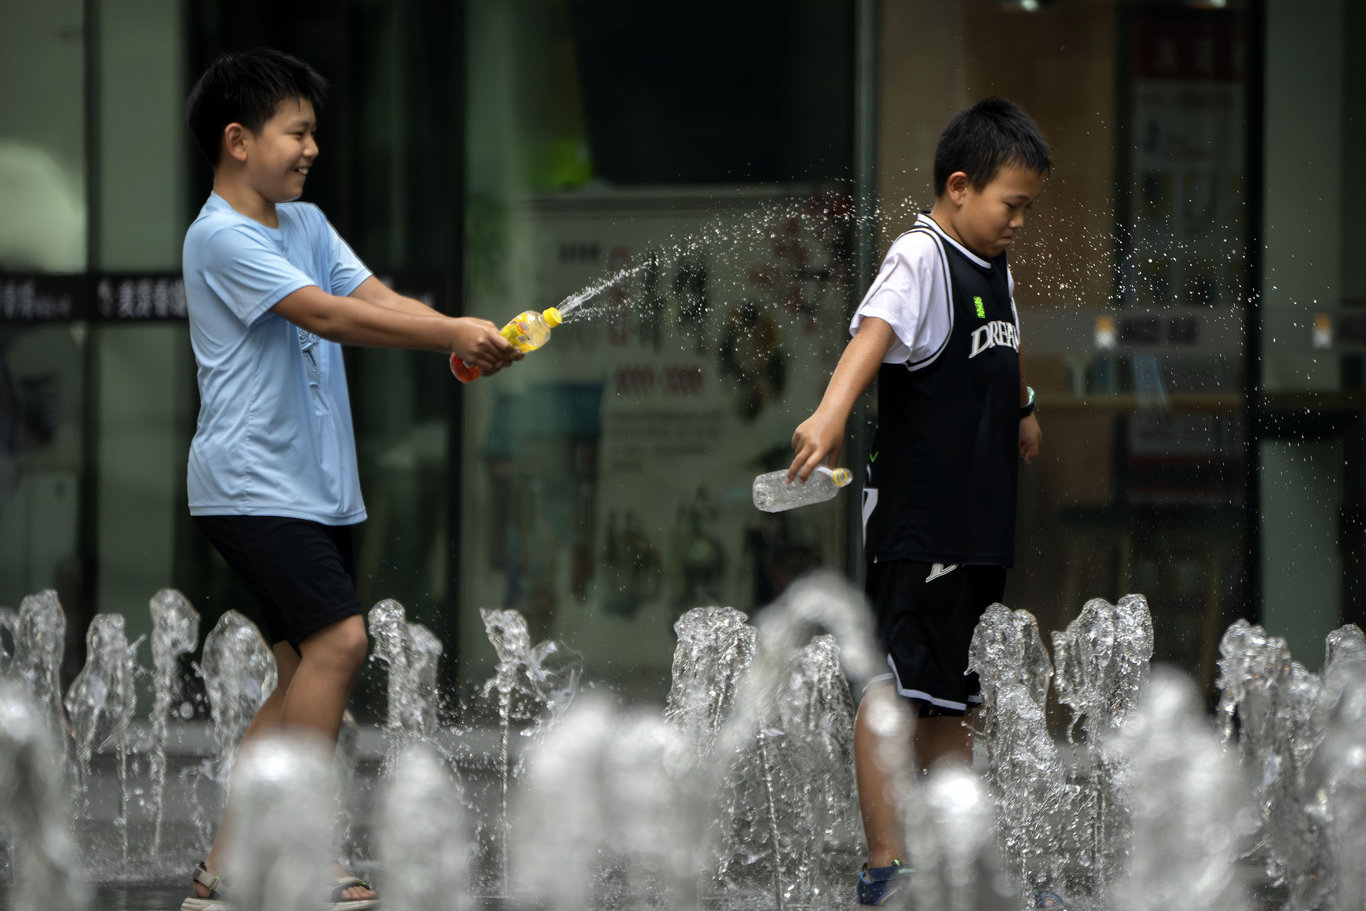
<point x="527" y="331"/>
<point x="772" y="493"/>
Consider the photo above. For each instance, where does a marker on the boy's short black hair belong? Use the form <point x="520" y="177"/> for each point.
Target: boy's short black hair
<point x="981" y="139"/>
<point x="245" y="87"/>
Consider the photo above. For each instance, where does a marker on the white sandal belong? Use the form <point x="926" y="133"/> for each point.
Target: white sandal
<point x="217" y="886"/>
<point x="340" y="885"/>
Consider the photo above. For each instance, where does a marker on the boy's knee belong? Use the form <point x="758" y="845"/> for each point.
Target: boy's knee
<point x="344" y="643"/>
<point x="353" y="644"/>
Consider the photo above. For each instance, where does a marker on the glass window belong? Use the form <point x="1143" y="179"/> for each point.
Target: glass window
<point x="143" y="403"/>
<point x="42" y="474"/>
<point x="42" y="137"/>
<point x="43" y="345"/>
<point x="1134" y="283"/>
<point x="1307" y="438"/>
<point x="676" y="177"/>
<point x="680" y="179"/>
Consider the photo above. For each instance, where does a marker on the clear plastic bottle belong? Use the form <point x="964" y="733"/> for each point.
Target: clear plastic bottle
<point x="527" y="332"/>
<point x="772" y="493"/>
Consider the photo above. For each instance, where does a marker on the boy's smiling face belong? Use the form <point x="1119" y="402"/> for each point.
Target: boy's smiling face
<point x="279" y="156"/>
<point x="985" y="220"/>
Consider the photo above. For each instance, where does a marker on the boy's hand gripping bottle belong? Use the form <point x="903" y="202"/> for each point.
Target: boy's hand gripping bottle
<point x="772" y="493"/>
<point x="527" y="332"/>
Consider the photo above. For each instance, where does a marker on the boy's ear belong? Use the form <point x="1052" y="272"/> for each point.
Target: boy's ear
<point x="235" y="141"/>
<point x="957" y="186"/>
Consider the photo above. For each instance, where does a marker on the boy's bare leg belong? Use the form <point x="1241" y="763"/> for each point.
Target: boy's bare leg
<point x="934" y="739"/>
<point x="881" y="828"/>
<point x="312" y="694"/>
<point x="330" y="660"/>
<point x="264" y="723"/>
<point x="943" y="737"/>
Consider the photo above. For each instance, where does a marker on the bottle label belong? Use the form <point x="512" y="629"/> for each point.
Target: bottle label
<point x="515" y="332"/>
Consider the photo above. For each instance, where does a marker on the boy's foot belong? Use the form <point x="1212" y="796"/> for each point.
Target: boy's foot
<point x="877" y="885"/>
<point x="348" y="893"/>
<point x="352" y="894"/>
<point x="208" y="891"/>
<point x="1044" y="898"/>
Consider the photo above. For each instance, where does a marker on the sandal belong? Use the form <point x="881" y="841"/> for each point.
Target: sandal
<point x="217" y="885"/>
<point x="340" y="885"/>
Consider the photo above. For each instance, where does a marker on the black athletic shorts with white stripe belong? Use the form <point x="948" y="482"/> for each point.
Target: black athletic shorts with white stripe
<point x="926" y="614"/>
<point x="301" y="573"/>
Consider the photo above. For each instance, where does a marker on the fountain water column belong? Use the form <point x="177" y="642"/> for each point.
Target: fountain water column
<point x="527" y="673"/>
<point x="175" y="632"/>
<point x="1336" y="776"/>
<point x="508" y="633"/>
<point x="39" y="640"/>
<point x="799" y="811"/>
<point x="1102" y="662"/>
<point x="46" y="865"/>
<point x="425" y="854"/>
<point x="9" y="630"/>
<point x="387" y="624"/>
<point x="783" y="630"/>
<point x="787" y="799"/>
<point x="411" y="652"/>
<point x="817" y="707"/>
<point x="618" y="801"/>
<point x="239" y="674"/>
<point x="1343" y="651"/>
<point x="280" y="845"/>
<point x="1277" y="702"/>
<point x="821" y="599"/>
<point x="1346" y="643"/>
<point x="100" y="705"/>
<point x="951" y="838"/>
<point x="771" y="808"/>
<point x="1300" y="740"/>
<point x="714" y="651"/>
<point x="1023" y="766"/>
<point x="1185" y="795"/>
<point x="424" y="660"/>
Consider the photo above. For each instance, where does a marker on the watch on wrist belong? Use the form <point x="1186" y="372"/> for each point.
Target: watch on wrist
<point x="1028" y="407"/>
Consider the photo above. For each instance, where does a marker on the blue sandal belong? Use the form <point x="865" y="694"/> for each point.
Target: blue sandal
<point x="1043" y="898"/>
<point x="876" y="885"/>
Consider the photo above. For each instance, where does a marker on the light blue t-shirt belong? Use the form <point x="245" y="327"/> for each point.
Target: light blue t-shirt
<point x="274" y="436"/>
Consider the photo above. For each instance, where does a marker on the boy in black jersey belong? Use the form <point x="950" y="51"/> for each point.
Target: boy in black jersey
<point x="939" y="331"/>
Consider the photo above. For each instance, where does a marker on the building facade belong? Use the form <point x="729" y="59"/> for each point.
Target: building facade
<point x="707" y="187"/>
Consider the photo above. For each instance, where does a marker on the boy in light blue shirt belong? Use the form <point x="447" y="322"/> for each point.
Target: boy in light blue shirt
<point x="273" y="291"/>
<point x="274" y="434"/>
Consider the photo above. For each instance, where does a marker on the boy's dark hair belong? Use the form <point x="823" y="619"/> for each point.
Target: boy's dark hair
<point x="245" y="88"/>
<point x="981" y="139"/>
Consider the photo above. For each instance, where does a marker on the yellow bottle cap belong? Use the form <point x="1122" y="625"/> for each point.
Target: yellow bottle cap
<point x="551" y="317"/>
<point x="841" y="476"/>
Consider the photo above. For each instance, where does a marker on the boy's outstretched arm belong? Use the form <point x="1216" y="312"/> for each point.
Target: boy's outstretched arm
<point x="1031" y="435"/>
<point x="820" y="437"/>
<point x="357" y="321"/>
<point x="377" y="292"/>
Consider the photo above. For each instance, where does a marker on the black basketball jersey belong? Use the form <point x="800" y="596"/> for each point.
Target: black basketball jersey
<point x="942" y="472"/>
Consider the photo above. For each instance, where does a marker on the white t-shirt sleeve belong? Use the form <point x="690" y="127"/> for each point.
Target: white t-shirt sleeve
<point x="910" y="294"/>
<point x="1014" y="311"/>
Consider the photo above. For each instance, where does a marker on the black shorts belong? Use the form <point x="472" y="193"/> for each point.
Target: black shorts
<point x="926" y="614"/>
<point x="301" y="573"/>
